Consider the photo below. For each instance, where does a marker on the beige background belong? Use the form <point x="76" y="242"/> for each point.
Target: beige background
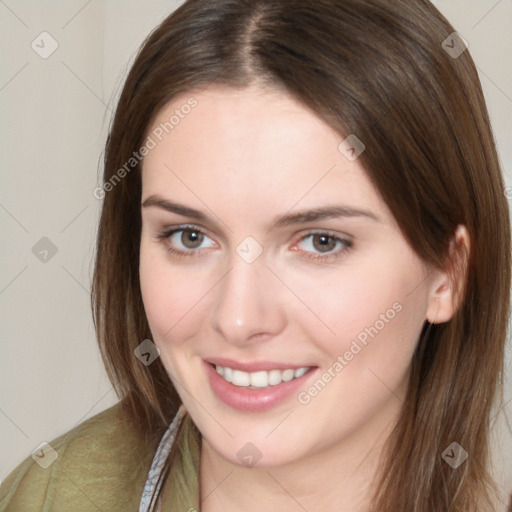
<point x="55" y="115"/>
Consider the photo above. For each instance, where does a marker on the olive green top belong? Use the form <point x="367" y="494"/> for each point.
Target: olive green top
<point x="101" y="466"/>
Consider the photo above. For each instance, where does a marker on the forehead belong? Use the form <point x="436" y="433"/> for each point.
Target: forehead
<point x="262" y="124"/>
<point x="251" y="148"/>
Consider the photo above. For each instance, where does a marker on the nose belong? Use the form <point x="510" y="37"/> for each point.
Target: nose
<point x="247" y="308"/>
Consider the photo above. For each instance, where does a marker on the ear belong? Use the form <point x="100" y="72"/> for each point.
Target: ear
<point x="445" y="294"/>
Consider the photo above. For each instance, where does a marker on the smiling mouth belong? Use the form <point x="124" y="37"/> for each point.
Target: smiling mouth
<point x="259" y="379"/>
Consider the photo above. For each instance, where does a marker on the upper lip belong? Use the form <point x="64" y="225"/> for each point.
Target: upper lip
<point x="254" y="366"/>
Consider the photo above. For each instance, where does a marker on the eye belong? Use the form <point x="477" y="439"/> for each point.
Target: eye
<point x="325" y="243"/>
<point x="185" y="241"/>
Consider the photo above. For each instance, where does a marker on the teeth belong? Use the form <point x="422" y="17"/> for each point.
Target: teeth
<point x="288" y="375"/>
<point x="300" y="372"/>
<point x="274" y="377"/>
<point x="241" y="378"/>
<point x="228" y="374"/>
<point x="261" y="379"/>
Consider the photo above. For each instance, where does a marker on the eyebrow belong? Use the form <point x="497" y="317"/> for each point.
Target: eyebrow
<point x="301" y="217"/>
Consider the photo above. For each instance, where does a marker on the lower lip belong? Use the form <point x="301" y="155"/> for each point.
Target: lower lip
<point x="253" y="400"/>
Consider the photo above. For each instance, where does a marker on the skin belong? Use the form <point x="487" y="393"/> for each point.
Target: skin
<point x="244" y="157"/>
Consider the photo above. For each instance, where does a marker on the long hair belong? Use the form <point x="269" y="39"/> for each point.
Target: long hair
<point x="385" y="71"/>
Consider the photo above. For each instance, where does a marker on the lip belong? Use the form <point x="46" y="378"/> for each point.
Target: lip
<point x="254" y="366"/>
<point x="254" y="400"/>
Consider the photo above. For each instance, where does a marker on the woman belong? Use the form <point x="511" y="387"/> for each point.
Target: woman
<point x="302" y="276"/>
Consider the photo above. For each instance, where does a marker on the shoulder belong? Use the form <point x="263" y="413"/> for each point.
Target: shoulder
<point x="100" y="465"/>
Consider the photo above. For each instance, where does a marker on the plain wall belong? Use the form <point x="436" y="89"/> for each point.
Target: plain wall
<point x="55" y="117"/>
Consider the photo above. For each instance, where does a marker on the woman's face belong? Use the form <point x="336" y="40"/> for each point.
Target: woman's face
<point x="257" y="280"/>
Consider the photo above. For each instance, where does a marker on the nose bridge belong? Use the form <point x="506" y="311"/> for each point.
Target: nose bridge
<point x="246" y="304"/>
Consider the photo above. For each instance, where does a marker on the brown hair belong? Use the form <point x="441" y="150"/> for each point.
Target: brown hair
<point x="376" y="69"/>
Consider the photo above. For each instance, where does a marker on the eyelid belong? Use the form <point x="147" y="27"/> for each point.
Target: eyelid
<point x="182" y="227"/>
<point x="334" y="234"/>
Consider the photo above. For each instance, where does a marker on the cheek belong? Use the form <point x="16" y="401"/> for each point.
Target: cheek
<point x="371" y="315"/>
<point x="172" y="294"/>
<point x="160" y="288"/>
<point x="377" y="321"/>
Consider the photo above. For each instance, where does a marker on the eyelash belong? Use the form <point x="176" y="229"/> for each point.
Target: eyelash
<point x="348" y="244"/>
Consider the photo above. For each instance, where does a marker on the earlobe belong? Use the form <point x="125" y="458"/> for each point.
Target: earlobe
<point x="446" y="290"/>
<point x="441" y="305"/>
